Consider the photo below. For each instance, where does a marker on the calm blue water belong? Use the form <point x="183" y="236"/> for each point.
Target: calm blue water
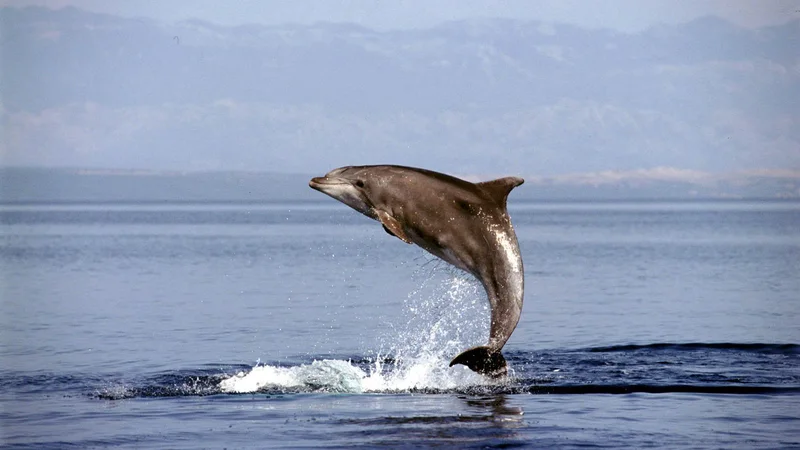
<point x="230" y="325"/>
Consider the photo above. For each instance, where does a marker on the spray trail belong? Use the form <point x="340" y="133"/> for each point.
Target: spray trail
<point x="447" y="314"/>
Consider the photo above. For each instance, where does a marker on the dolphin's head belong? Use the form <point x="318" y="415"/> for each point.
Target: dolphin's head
<point x="349" y="185"/>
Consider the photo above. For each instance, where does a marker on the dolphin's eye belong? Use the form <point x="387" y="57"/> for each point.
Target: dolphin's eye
<point x="359" y="183"/>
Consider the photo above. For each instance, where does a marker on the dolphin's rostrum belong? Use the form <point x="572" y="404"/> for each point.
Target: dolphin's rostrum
<point x="463" y="223"/>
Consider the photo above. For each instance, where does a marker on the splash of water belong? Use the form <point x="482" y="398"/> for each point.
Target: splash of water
<point x="446" y="315"/>
<point x="325" y="376"/>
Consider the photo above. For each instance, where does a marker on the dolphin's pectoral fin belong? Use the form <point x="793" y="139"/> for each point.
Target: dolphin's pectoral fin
<point x="500" y="188"/>
<point x="483" y="360"/>
<point x="388" y="231"/>
<point x="392" y="226"/>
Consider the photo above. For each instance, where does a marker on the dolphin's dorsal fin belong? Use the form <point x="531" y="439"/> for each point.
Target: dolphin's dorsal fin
<point x="499" y="189"/>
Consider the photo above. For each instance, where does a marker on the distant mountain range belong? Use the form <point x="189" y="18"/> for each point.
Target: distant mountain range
<point x="481" y="96"/>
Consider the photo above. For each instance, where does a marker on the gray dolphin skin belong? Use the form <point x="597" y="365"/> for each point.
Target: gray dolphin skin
<point x="463" y="223"/>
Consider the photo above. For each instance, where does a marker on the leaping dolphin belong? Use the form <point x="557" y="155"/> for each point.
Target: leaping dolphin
<point x="463" y="223"/>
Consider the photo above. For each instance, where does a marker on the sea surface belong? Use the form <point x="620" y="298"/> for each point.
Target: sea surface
<point x="645" y="325"/>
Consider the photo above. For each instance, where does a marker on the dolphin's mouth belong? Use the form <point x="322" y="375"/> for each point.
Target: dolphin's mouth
<point x="320" y="183"/>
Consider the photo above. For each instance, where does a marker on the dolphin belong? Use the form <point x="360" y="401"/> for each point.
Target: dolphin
<point x="463" y="223"/>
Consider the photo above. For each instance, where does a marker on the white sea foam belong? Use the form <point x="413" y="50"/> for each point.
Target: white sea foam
<point x="326" y="375"/>
<point x="445" y="316"/>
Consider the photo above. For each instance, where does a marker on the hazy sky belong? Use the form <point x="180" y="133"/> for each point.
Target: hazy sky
<point x="497" y="97"/>
<point x="625" y="15"/>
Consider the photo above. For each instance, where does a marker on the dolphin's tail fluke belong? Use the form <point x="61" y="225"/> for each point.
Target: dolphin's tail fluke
<point x="483" y="360"/>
